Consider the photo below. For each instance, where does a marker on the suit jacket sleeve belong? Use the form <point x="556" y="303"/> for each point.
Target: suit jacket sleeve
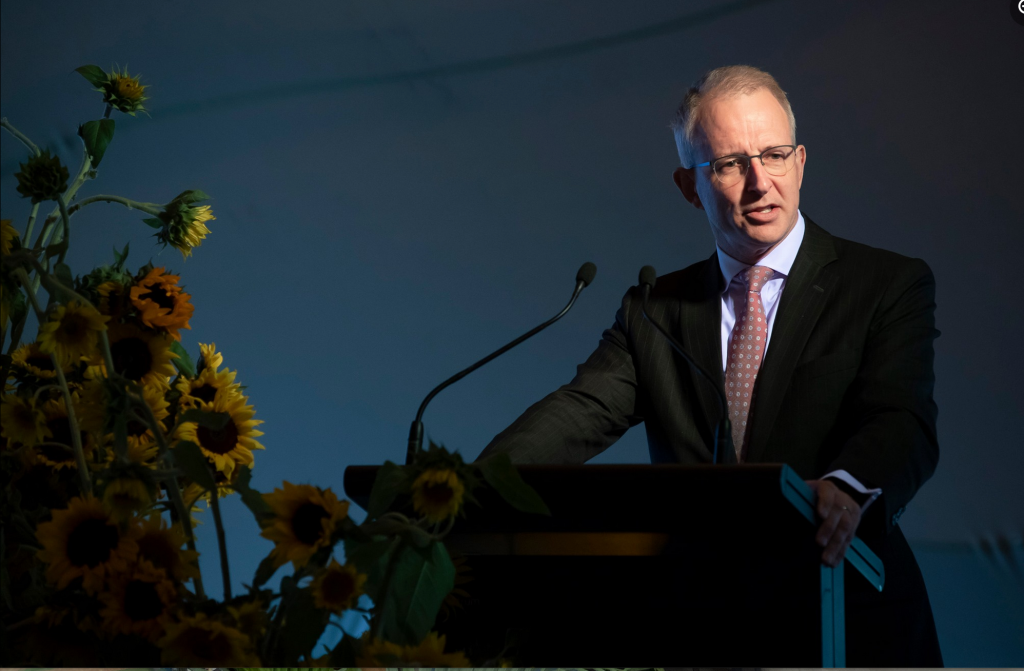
<point x="584" y="417"/>
<point x="895" y="446"/>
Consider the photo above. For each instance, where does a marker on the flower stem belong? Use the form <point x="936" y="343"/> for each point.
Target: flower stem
<point x="149" y="208"/>
<point x="67" y="228"/>
<point x="21" y="136"/>
<point x="222" y="544"/>
<point x="106" y="112"/>
<point x="76" y="436"/>
<point x="25" y="239"/>
<point x="378" y="621"/>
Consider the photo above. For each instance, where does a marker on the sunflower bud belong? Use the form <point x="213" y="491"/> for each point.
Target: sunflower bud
<point x="123" y="93"/>
<point x="42" y="178"/>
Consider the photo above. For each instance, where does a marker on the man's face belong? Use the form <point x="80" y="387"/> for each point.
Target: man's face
<point x="745" y="124"/>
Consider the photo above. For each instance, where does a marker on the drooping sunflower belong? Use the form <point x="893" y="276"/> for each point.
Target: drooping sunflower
<point x="338" y="587"/>
<point x="161" y="302"/>
<point x="305" y="519"/>
<point x="437" y="494"/>
<point x="84" y="541"/>
<point x="204" y="642"/>
<point x="123" y="496"/>
<point x="30" y="358"/>
<point x="71" y="332"/>
<point x="7" y="235"/>
<point x="58" y="450"/>
<point x="138" y="601"/>
<point x="233" y="444"/>
<point x="22" y="422"/>
<point x="204" y="387"/>
<point x="161" y="546"/>
<point x="142" y="356"/>
<point x="184" y="224"/>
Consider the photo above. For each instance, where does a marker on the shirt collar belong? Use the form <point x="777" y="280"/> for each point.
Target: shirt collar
<point x="779" y="259"/>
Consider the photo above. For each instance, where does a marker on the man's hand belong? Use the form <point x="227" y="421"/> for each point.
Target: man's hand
<point x="840" y="516"/>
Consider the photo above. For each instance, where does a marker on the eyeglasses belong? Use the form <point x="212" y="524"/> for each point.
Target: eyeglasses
<point x="732" y="168"/>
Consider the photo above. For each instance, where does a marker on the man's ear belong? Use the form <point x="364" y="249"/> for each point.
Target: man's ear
<point x="684" y="179"/>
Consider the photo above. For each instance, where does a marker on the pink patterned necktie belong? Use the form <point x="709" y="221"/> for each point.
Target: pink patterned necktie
<point x="746" y="352"/>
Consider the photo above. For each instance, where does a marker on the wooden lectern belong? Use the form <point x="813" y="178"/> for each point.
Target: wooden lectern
<point x="643" y="565"/>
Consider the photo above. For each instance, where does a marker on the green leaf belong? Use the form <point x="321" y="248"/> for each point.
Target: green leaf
<point x="368" y="558"/>
<point x="119" y="258"/>
<point x="96" y="135"/>
<point x="264" y="572"/>
<point x="62" y="272"/>
<point x="503" y="476"/>
<point x="215" y="421"/>
<point x="184" y="362"/>
<point x="153" y="222"/>
<point x="93" y="74"/>
<point x="302" y="626"/>
<point x="190" y="459"/>
<point x="250" y="497"/>
<point x="191" y="196"/>
<point x="18" y="306"/>
<point x="421" y="581"/>
<point x="390" y="482"/>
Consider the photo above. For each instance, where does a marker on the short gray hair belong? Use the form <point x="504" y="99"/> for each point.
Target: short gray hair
<point x="720" y="82"/>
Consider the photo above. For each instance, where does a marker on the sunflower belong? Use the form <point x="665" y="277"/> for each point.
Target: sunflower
<point x="429" y="653"/>
<point x="22" y="422"/>
<point x="211" y="358"/>
<point x="204" y="642"/>
<point x="306" y="517"/>
<point x="123" y="93"/>
<point x="138" y="601"/>
<point x="58" y="451"/>
<point x="37" y="362"/>
<point x="232" y="444"/>
<point x="114" y="299"/>
<point x="141" y="450"/>
<point x="203" y="388"/>
<point x="338" y="587"/>
<point x="142" y="356"/>
<point x="123" y="496"/>
<point x="154" y="397"/>
<point x="184" y="222"/>
<point x="160" y="546"/>
<point x="84" y="541"/>
<point x="7" y="235"/>
<point x="161" y="302"/>
<point x="437" y="494"/>
<point x="71" y="332"/>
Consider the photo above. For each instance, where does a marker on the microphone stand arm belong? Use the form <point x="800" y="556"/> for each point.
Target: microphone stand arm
<point x="416" y="430"/>
<point x="724" y="449"/>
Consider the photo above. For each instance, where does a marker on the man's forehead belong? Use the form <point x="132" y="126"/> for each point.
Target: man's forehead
<point x="742" y="123"/>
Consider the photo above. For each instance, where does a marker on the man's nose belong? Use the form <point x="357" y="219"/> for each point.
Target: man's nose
<point x="757" y="177"/>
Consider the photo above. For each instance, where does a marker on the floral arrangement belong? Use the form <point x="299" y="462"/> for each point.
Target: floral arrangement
<point x="114" y="438"/>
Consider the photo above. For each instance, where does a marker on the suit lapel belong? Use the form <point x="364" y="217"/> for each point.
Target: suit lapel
<point x="807" y="291"/>
<point x="700" y="322"/>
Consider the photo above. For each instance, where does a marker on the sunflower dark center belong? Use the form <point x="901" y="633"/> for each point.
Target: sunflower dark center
<point x="91" y="542"/>
<point x="136" y="428"/>
<point x="218" y="441"/>
<point x="157" y="550"/>
<point x="307" y="523"/>
<point x="338" y="586"/>
<point x="142" y="601"/>
<point x="204" y="393"/>
<point x="40" y="361"/>
<point x="131" y="357"/>
<point x="160" y="296"/>
<point x="439" y="493"/>
<point x="73" y="327"/>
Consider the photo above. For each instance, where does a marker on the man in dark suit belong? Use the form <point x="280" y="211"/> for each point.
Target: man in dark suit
<point x="825" y="348"/>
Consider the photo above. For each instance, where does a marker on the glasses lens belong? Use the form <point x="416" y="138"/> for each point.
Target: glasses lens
<point x="730" y="169"/>
<point x="778" y="160"/>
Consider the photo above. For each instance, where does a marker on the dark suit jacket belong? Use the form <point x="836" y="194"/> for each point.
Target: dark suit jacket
<point x="846" y="383"/>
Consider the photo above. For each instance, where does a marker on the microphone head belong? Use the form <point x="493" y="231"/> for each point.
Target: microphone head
<point x="648" y="276"/>
<point x="586" y="273"/>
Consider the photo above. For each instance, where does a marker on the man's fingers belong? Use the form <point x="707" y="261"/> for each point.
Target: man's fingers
<point x="841" y="537"/>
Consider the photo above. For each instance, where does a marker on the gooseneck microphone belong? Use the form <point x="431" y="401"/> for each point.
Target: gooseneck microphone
<point x="724" y="450"/>
<point x="584" y="277"/>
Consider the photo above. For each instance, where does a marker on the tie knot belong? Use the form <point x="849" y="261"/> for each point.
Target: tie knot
<point x="757" y="276"/>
